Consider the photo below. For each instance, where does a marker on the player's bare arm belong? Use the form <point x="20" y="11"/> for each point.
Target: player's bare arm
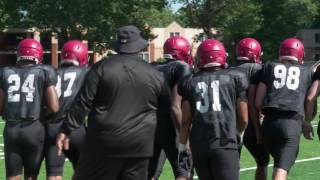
<point x="176" y="107"/>
<point x="260" y="94"/>
<point x="186" y="122"/>
<point x="2" y="96"/>
<point x="52" y="99"/>
<point x="253" y="111"/>
<point x="242" y="120"/>
<point x="309" y="110"/>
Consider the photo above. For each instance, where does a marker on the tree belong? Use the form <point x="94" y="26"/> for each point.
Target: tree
<point x="282" y="19"/>
<point x="94" y="20"/>
<point x="233" y="19"/>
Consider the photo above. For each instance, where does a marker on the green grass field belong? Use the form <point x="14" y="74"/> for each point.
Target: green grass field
<point x="307" y="169"/>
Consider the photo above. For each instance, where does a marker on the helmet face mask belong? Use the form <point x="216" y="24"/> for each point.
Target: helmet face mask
<point x="30" y="50"/>
<point x="249" y="49"/>
<point x="177" y="48"/>
<point x="74" y="52"/>
<point x="211" y="53"/>
<point x="291" y="49"/>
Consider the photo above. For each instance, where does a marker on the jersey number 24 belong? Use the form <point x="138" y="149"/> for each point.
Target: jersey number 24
<point x="15" y="85"/>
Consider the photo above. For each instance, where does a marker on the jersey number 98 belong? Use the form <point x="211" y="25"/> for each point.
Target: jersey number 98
<point x="289" y="77"/>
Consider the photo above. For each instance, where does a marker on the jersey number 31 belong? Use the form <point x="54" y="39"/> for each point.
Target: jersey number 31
<point x="203" y="104"/>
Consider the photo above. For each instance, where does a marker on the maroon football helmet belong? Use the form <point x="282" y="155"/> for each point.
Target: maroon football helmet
<point x="177" y="48"/>
<point x="211" y="53"/>
<point x="249" y="49"/>
<point x="30" y="49"/>
<point x="74" y="52"/>
<point x="291" y="49"/>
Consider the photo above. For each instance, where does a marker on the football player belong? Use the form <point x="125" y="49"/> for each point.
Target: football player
<point x="281" y="97"/>
<point x="249" y="54"/>
<point x="23" y="88"/>
<point x="211" y="98"/>
<point x="71" y="73"/>
<point x="177" y="52"/>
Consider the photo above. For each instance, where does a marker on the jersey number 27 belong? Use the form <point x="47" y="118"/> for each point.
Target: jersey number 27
<point x="70" y="76"/>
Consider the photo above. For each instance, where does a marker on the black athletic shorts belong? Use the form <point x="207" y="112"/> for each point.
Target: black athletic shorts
<point x="258" y="151"/>
<point x="77" y="138"/>
<point x="23" y="147"/>
<point x="282" y="137"/>
<point x="98" y="168"/>
<point x="217" y="164"/>
<point x="55" y="163"/>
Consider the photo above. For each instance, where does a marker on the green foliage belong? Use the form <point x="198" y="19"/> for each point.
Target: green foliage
<point x="94" y="20"/>
<point x="282" y="19"/>
<point x="269" y="21"/>
<point x="159" y="18"/>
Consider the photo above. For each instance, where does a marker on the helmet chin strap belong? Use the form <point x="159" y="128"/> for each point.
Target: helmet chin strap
<point x="73" y="62"/>
<point x="212" y="65"/>
<point x="288" y="58"/>
<point x="28" y="58"/>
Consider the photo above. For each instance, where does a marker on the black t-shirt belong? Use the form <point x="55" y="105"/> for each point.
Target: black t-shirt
<point x="287" y="86"/>
<point x="213" y="97"/>
<point x="70" y="80"/>
<point x="24" y="88"/>
<point x="121" y="94"/>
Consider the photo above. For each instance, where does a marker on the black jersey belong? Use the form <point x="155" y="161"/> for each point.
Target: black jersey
<point x="24" y="88"/>
<point x="70" y="80"/>
<point x="253" y="71"/>
<point x="173" y="72"/>
<point x="287" y="86"/>
<point x="213" y="97"/>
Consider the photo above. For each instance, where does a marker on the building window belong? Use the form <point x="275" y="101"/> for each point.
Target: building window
<point x="174" y="34"/>
<point x="317" y="37"/>
<point x="317" y="57"/>
<point x="144" y="55"/>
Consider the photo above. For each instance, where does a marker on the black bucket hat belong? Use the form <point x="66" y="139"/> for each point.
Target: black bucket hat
<point x="129" y="40"/>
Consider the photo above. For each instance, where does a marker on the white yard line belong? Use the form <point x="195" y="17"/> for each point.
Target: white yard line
<point x="270" y="165"/>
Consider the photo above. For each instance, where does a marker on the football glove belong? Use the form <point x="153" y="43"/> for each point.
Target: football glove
<point x="184" y="157"/>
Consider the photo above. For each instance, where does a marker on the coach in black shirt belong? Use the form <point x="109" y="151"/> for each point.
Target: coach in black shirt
<point x="120" y="96"/>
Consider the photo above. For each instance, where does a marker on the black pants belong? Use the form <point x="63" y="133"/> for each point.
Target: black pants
<point x="23" y="147"/>
<point x="258" y="151"/>
<point x="100" y="168"/>
<point x="282" y="138"/>
<point x="155" y="170"/>
<point x="169" y="146"/>
<point x="218" y="164"/>
<point x="55" y="163"/>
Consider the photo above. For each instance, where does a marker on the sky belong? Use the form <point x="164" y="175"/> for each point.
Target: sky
<point x="176" y="6"/>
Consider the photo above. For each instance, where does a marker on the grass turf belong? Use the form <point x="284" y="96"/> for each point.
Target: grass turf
<point x="302" y="170"/>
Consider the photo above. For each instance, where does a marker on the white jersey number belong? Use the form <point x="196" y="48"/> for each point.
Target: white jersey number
<point x="290" y="78"/>
<point x="71" y="77"/>
<point x="27" y="87"/>
<point x="203" y="105"/>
